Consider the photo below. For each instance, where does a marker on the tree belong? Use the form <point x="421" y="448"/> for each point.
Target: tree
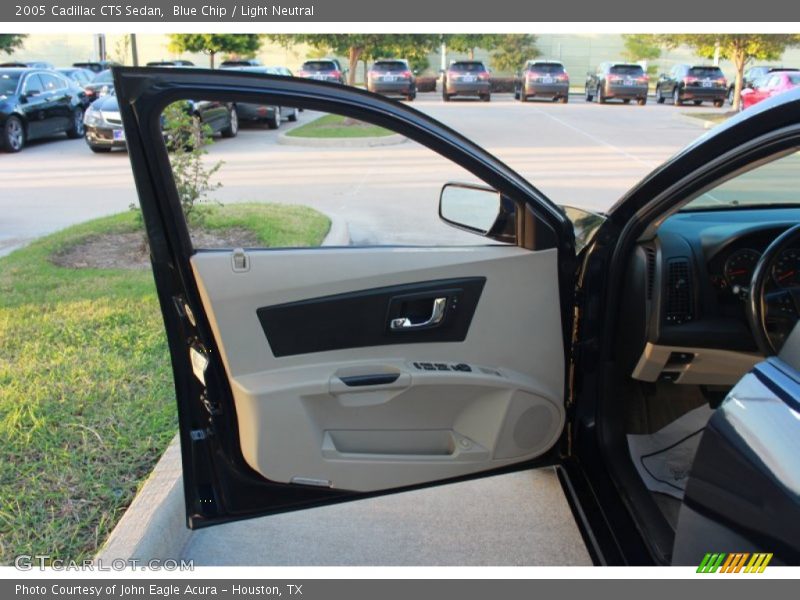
<point x="467" y="42"/>
<point x="364" y="47"/>
<point x="512" y="50"/>
<point x="640" y="47"/>
<point x="244" y="44"/>
<point x="186" y="140"/>
<point x="11" y="41"/>
<point x="739" y="48"/>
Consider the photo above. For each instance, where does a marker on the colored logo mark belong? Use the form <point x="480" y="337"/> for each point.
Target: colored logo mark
<point x="736" y="562"/>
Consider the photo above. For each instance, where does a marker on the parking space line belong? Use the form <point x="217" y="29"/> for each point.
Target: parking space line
<point x="598" y="140"/>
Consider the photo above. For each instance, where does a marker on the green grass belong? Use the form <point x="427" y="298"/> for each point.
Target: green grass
<point x="336" y="126"/>
<point x="86" y="396"/>
<point x="713" y="117"/>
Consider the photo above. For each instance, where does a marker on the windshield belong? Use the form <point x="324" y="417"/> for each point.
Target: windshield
<point x="319" y="65"/>
<point x="467" y="66"/>
<point x="794" y="78"/>
<point x="627" y="70"/>
<point x="8" y="83"/>
<point x="394" y="65"/>
<point x="775" y="183"/>
<point x="546" y="68"/>
<point x="706" y="72"/>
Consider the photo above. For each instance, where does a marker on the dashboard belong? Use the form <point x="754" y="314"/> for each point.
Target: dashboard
<point x="689" y="285"/>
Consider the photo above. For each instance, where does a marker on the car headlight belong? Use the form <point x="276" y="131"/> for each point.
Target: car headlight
<point x="93" y="118"/>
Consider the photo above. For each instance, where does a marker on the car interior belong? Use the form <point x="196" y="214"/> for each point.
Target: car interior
<point x="685" y="338"/>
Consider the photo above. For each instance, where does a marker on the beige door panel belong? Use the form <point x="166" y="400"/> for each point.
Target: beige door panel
<point x="300" y="422"/>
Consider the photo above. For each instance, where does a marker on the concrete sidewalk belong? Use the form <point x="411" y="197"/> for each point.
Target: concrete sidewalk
<point x="516" y="519"/>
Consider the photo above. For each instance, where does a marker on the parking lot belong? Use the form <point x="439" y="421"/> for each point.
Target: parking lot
<point x="564" y="149"/>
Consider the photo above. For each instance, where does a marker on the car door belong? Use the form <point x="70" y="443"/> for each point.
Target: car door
<point x="309" y="376"/>
<point x="34" y="105"/>
<point x="58" y="107"/>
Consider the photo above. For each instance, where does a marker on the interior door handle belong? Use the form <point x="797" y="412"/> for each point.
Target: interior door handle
<point x="437" y="315"/>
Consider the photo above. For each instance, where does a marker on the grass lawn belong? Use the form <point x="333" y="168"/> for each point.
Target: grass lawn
<point x="337" y="126"/>
<point x="86" y="396"/>
<point x="713" y="117"/>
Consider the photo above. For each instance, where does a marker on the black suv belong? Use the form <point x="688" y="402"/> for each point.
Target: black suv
<point x="467" y="78"/>
<point x="687" y="83"/>
<point x="323" y="69"/>
<point x="392" y="76"/>
<point x="542" y="79"/>
<point x="617" y="81"/>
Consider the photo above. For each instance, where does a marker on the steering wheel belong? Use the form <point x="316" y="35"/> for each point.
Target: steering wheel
<point x="773" y="314"/>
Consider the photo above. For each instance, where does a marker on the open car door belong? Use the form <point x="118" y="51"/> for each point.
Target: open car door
<point x="309" y="376"/>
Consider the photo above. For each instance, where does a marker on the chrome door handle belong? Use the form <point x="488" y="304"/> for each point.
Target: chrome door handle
<point x="437" y="314"/>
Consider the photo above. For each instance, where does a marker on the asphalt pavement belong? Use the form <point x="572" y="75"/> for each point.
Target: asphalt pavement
<point x="581" y="154"/>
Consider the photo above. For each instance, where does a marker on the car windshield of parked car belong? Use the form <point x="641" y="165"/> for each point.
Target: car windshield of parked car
<point x="546" y="68"/>
<point x="8" y="83"/>
<point x="703" y="72"/>
<point x="626" y="70"/>
<point x="467" y="66"/>
<point x="390" y="65"/>
<point x="773" y="184"/>
<point x="319" y="65"/>
<point x="103" y="77"/>
<point x="794" y="78"/>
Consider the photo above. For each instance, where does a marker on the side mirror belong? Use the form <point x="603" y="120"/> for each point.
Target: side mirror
<point x="30" y="94"/>
<point x="478" y="209"/>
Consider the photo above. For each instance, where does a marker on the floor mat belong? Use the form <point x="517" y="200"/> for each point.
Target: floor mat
<point x="664" y="457"/>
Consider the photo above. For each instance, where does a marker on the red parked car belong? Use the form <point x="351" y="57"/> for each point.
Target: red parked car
<point x="770" y="85"/>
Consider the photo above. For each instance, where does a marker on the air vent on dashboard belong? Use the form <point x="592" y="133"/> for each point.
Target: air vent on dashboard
<point x="678" y="300"/>
<point x="650" y="257"/>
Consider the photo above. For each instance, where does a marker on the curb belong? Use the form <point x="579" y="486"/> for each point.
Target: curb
<point x="338" y="234"/>
<point x="702" y="123"/>
<point x="357" y="142"/>
<point x="154" y="525"/>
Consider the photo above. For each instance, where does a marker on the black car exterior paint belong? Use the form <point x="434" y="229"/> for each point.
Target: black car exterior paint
<point x="41" y="115"/>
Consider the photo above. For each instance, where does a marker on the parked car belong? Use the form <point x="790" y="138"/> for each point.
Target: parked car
<point x="542" y="79"/>
<point x="467" y="78"/>
<point x="170" y="63"/>
<point x="323" y="69"/>
<point x="308" y="378"/>
<point x="29" y="64"/>
<point x="240" y="62"/>
<point x="617" y="81"/>
<point x="692" y="83"/>
<point x="774" y="83"/>
<point x="102" y="84"/>
<point x="264" y="113"/>
<point x="36" y="104"/>
<point x="96" y="66"/>
<point x="104" y="131"/>
<point x="752" y="75"/>
<point x="82" y="77"/>
<point x="392" y="77"/>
